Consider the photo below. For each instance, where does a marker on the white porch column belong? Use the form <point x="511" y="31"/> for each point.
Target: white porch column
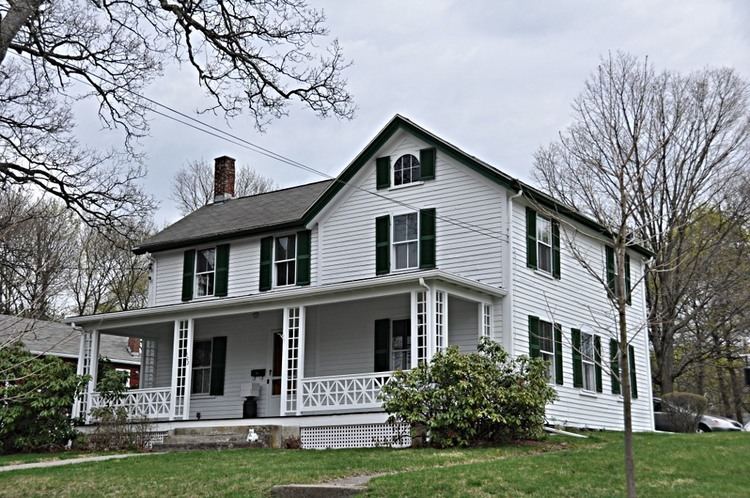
<point x="85" y="354"/>
<point x="421" y="327"/>
<point x="292" y="359"/>
<point x="485" y="320"/>
<point x="440" y="322"/>
<point x="182" y="359"/>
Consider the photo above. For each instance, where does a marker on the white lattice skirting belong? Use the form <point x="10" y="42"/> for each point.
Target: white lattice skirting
<point x="355" y="436"/>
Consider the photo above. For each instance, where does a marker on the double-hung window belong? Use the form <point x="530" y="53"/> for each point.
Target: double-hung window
<point x="547" y="348"/>
<point x="587" y="361"/>
<point x="401" y="345"/>
<point x="285" y="254"/>
<point x="201" y="381"/>
<point x="205" y="272"/>
<point x="406" y="241"/>
<point x="544" y="243"/>
<point x="406" y="170"/>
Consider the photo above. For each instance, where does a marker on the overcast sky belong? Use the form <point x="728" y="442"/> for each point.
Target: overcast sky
<point x="496" y="78"/>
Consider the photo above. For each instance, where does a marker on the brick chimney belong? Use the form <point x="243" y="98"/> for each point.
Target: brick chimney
<point x="223" y="178"/>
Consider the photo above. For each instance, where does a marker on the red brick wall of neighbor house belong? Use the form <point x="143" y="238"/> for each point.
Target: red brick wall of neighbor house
<point x="134" y="345"/>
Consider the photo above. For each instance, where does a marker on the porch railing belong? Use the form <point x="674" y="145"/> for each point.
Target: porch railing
<point x="152" y="403"/>
<point x="342" y="392"/>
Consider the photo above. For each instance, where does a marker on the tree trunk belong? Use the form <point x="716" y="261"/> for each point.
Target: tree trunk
<point x="666" y="380"/>
<point x="736" y="393"/>
<point x="625" y="375"/>
<point x="19" y="14"/>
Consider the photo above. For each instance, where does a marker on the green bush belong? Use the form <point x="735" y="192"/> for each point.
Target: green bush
<point x="471" y="399"/>
<point x="36" y="395"/>
<point x="684" y="410"/>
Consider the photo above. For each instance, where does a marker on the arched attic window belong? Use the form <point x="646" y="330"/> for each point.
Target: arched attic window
<point x="406" y="170"/>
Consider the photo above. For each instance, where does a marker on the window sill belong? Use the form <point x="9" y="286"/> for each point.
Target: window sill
<point x="202" y="396"/>
<point x="203" y="298"/>
<point x="405" y="185"/>
<point x="588" y="394"/>
<point x="545" y="274"/>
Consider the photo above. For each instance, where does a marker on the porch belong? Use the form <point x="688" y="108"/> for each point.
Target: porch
<point x="311" y="356"/>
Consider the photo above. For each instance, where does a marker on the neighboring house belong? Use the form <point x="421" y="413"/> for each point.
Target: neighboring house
<point x="307" y="298"/>
<point x="47" y="338"/>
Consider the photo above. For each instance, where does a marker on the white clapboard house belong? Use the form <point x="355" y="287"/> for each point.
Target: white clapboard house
<point x="306" y="299"/>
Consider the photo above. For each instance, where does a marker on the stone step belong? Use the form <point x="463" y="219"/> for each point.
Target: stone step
<point x="210" y="431"/>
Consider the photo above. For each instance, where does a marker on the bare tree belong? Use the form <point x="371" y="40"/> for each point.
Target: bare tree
<point x="592" y="168"/>
<point x="193" y="185"/>
<point x="248" y="56"/>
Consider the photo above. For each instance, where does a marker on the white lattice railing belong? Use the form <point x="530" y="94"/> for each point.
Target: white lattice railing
<point x="153" y="403"/>
<point x="342" y="392"/>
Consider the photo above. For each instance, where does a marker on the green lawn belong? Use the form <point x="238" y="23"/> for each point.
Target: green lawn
<point x="668" y="465"/>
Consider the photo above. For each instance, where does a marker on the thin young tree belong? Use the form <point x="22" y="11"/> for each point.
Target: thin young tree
<point x="591" y="168"/>
<point x="193" y="185"/>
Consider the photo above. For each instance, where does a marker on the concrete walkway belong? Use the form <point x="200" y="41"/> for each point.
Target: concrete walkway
<point x="70" y="461"/>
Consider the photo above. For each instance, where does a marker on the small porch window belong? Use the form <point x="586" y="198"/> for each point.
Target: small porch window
<point x="285" y="254"/>
<point x="547" y="348"/>
<point x="401" y="345"/>
<point x="544" y="243"/>
<point x="406" y="240"/>
<point x="201" y="383"/>
<point x="587" y="361"/>
<point x="205" y="266"/>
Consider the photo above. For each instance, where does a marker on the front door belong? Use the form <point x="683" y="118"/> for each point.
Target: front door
<point x="273" y="377"/>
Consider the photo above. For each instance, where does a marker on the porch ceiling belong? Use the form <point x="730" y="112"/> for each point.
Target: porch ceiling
<point x="275" y="299"/>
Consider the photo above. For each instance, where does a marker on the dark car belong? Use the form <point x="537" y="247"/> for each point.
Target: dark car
<point x="707" y="423"/>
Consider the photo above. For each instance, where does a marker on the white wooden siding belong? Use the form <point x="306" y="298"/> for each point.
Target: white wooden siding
<point x="340" y="338"/>
<point x="463" y="324"/>
<point x="578" y="300"/>
<point x="248" y="347"/>
<point x="458" y="193"/>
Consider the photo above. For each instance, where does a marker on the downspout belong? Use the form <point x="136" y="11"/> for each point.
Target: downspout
<point x="508" y="276"/>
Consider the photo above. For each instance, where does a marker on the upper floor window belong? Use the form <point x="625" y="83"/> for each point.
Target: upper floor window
<point x="406" y="170"/>
<point x="544" y="243"/>
<point x="285" y="255"/>
<point x="406" y="241"/>
<point x="205" y="272"/>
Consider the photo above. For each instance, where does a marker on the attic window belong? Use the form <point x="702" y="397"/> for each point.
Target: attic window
<point x="406" y="170"/>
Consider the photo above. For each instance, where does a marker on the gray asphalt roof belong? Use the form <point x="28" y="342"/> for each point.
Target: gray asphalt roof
<point x="237" y="217"/>
<point x="58" y="339"/>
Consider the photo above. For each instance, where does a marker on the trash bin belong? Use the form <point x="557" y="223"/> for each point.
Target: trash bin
<point x="250" y="407"/>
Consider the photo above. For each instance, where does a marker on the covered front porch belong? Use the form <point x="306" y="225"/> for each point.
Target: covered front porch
<point x="302" y="354"/>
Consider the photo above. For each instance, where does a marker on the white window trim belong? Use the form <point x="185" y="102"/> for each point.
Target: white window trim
<point x="193" y="368"/>
<point x="196" y="273"/>
<point x="390" y="343"/>
<point x="296" y="251"/>
<point x="393" y="172"/>
<point x="591" y="389"/>
<point x="553" y="367"/>
<point x="393" y="242"/>
<point x="539" y="242"/>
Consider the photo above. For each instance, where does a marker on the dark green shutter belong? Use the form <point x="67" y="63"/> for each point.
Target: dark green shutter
<point x="382" y="245"/>
<point x="611" y="278"/>
<point x="427" y="164"/>
<point x="633" y="381"/>
<point x="577" y="362"/>
<point x="558" y="355"/>
<point x="266" y="263"/>
<point x="530" y="238"/>
<point x="303" y="257"/>
<point x="383" y="172"/>
<point x="221" y="286"/>
<point x="556" y="249"/>
<point x="427" y="238"/>
<point x="627" y="277"/>
<point x="188" y="274"/>
<point x="382" y="340"/>
<point x="534" y="337"/>
<point x="614" y="366"/>
<point x="598" y="362"/>
<point x="218" y="365"/>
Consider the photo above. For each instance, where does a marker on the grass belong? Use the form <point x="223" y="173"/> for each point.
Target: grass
<point x="668" y="465"/>
<point x="44" y="457"/>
